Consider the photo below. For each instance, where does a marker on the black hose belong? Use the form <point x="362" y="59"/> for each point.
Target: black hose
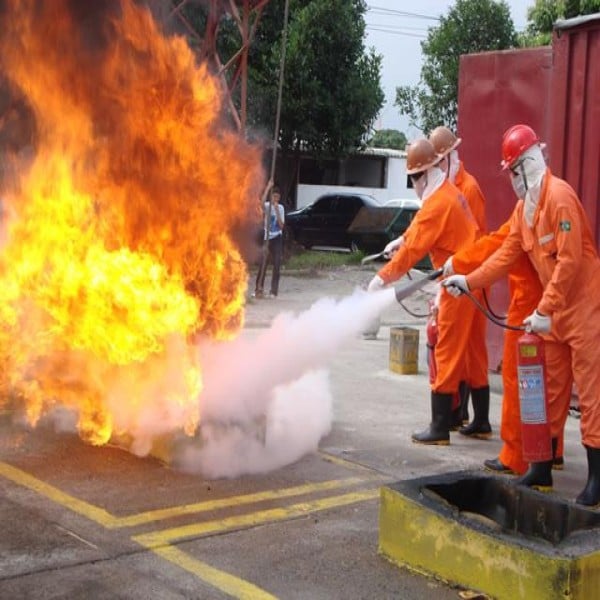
<point x="490" y="315"/>
<point x="411" y="313"/>
<point x="487" y="303"/>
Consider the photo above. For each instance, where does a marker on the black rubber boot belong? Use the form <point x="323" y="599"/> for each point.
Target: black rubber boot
<point x="495" y="466"/>
<point x="480" y="426"/>
<point x="539" y="474"/>
<point x="464" y="391"/>
<point x="590" y="496"/>
<point x="558" y="462"/>
<point x="438" y="432"/>
<point x="456" y="421"/>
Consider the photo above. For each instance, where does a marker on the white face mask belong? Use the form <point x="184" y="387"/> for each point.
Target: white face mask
<point x="519" y="186"/>
<point x="419" y="185"/>
<point x="454" y="163"/>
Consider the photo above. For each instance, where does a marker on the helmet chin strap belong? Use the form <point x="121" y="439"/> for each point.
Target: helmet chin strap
<point x="523" y="173"/>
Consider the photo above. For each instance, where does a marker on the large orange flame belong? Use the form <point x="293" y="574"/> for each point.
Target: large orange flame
<point x="121" y="232"/>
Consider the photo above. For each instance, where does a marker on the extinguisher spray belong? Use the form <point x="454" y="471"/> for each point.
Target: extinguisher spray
<point x="535" y="428"/>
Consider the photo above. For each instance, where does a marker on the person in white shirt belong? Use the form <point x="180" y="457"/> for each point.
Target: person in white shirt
<point x="274" y="223"/>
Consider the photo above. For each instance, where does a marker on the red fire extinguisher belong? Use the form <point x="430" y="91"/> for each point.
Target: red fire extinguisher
<point x="535" y="428"/>
<point x="432" y="338"/>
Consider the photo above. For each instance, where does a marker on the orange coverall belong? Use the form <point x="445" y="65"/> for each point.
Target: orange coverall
<point x="476" y="358"/>
<point x="441" y="227"/>
<point x="561" y="248"/>
<point x="525" y="291"/>
<point x="470" y="189"/>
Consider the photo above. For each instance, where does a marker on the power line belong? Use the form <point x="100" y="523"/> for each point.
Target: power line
<point x="400" y="13"/>
<point x="399" y="27"/>
<point x="397" y="32"/>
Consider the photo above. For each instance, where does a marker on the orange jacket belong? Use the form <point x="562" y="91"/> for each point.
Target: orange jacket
<point x="442" y="226"/>
<point x="470" y="189"/>
<point x="524" y="287"/>
<point x="560" y="246"/>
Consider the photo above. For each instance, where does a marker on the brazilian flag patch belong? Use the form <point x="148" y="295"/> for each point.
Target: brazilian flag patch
<point x="565" y="225"/>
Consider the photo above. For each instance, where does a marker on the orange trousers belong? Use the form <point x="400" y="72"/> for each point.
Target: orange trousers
<point x="460" y="352"/>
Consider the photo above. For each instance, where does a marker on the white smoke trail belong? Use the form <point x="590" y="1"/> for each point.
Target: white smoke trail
<point x="276" y="381"/>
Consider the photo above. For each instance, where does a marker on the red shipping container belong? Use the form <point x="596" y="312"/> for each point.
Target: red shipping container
<point x="554" y="89"/>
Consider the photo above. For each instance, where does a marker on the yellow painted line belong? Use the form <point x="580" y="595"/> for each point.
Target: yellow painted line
<point x="348" y="464"/>
<point x="49" y="491"/>
<point x="187" y="509"/>
<point x="160" y="538"/>
<point x="110" y="521"/>
<point x="234" y="586"/>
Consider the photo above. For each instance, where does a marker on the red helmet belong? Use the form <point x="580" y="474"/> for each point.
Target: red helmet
<point x="515" y="141"/>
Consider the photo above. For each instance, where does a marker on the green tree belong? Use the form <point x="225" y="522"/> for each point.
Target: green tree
<point x="388" y="138"/>
<point x="470" y="26"/>
<point x="332" y="91"/>
<point x="544" y="13"/>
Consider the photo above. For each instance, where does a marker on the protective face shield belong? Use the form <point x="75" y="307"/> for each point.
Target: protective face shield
<point x="427" y="182"/>
<point x="518" y="180"/>
<point x="527" y="173"/>
<point x="444" y="165"/>
<point x="453" y="165"/>
<point x="419" y="181"/>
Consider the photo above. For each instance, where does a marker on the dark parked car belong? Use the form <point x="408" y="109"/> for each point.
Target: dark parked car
<point x="326" y="221"/>
<point x="373" y="228"/>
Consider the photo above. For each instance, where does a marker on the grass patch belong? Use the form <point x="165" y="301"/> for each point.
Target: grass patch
<point x="322" y="260"/>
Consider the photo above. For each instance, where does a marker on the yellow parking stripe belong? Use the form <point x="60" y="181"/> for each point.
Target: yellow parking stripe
<point x="348" y="464"/>
<point x="187" y="509"/>
<point x="85" y="509"/>
<point x="159" y="538"/>
<point x="238" y="588"/>
<point x="158" y="542"/>
<point x="110" y="521"/>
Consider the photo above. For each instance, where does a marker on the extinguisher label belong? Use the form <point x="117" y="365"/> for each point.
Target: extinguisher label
<point x="532" y="394"/>
<point x="528" y="350"/>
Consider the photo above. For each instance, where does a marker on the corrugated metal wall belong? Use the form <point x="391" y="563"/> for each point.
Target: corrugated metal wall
<point x="555" y="90"/>
<point x="574" y="134"/>
<point x="497" y="90"/>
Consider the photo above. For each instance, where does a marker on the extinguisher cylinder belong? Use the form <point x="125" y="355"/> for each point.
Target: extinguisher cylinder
<point x="533" y="399"/>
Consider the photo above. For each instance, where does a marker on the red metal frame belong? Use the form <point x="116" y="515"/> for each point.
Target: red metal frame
<point x="247" y="14"/>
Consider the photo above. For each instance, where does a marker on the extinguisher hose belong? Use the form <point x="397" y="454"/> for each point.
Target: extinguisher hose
<point x="487" y="304"/>
<point x="491" y="316"/>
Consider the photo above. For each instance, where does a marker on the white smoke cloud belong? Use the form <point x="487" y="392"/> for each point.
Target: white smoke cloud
<point x="267" y="400"/>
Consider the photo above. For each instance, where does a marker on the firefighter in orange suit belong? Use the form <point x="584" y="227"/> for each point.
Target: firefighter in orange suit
<point x="550" y="227"/>
<point x="441" y="227"/>
<point x="445" y="144"/>
<point x="525" y="291"/>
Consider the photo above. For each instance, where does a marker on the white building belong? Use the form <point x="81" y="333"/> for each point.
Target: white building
<point x="379" y="172"/>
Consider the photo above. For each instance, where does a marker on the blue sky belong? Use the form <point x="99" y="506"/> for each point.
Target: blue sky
<point x="397" y="38"/>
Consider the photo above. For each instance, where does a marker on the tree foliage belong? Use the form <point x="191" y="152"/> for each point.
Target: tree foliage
<point x="544" y="13"/>
<point x="470" y="26"/>
<point x="332" y="91"/>
<point x="389" y="138"/>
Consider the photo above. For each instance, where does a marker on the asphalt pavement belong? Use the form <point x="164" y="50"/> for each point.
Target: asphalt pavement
<point x="88" y="522"/>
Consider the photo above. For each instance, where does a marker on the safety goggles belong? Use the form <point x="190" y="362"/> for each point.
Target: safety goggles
<point x="515" y="168"/>
<point x="416" y="176"/>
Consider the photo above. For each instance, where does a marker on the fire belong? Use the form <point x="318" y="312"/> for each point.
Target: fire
<point x="121" y="231"/>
